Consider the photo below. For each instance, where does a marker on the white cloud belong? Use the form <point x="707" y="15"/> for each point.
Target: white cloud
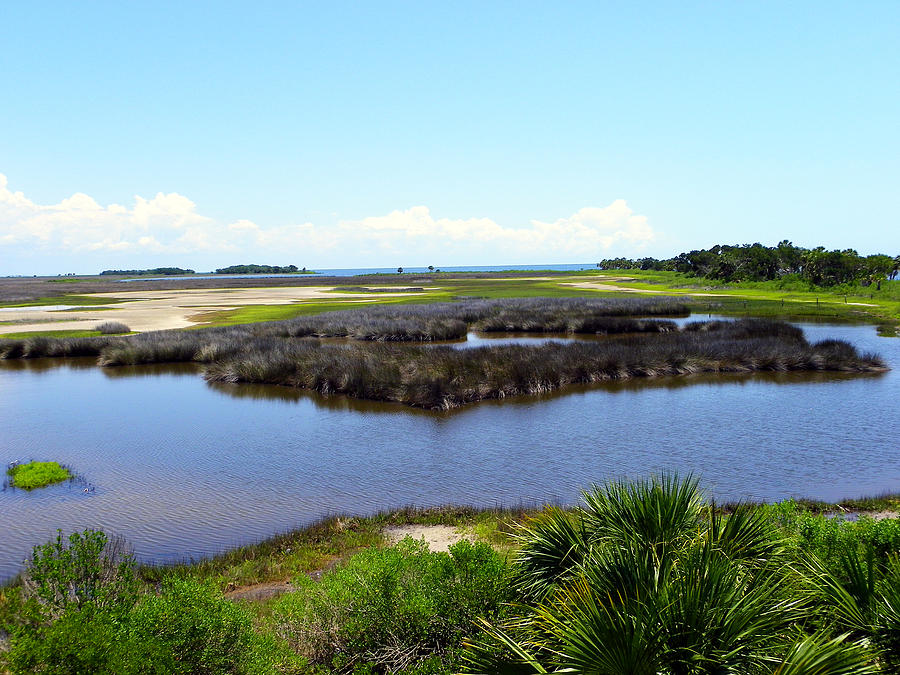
<point x="169" y="224"/>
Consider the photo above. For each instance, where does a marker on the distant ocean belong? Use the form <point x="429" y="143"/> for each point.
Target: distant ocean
<point x="572" y="267"/>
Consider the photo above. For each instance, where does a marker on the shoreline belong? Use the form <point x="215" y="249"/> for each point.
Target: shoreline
<point x="326" y="541"/>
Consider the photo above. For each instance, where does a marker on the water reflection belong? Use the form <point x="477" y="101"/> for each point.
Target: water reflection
<point x="273" y="392"/>
<point x="152" y="370"/>
<point x="45" y="365"/>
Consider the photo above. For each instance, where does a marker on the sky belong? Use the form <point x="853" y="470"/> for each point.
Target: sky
<point x="381" y="134"/>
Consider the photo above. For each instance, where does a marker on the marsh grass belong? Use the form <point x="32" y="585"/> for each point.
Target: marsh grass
<point x="112" y="328"/>
<point x="33" y="475"/>
<point x="380" y="358"/>
<point x="445" y="378"/>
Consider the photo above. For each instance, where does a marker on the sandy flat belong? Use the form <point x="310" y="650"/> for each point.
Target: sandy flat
<point x="438" y="537"/>
<point x="159" y="310"/>
<point x="600" y="286"/>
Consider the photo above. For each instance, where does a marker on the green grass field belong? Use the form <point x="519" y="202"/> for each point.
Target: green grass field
<point x="51" y="334"/>
<point x="775" y="298"/>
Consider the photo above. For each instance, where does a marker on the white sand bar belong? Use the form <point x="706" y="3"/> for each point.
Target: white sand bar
<point x="159" y="310"/>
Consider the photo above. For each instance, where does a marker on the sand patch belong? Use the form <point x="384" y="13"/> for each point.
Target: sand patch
<point x="438" y="537"/>
<point x="163" y="309"/>
<point x="600" y="286"/>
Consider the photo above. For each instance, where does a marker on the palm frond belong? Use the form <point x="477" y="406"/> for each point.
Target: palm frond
<point x="817" y="655"/>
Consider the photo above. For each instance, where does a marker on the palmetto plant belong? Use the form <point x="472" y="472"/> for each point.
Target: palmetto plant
<point x="647" y="578"/>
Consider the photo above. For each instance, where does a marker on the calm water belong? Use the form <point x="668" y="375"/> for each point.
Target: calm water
<point x="185" y="469"/>
<point x="352" y="272"/>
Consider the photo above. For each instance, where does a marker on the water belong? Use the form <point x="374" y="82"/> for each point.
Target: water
<point x="185" y="469"/>
<point x="352" y="272"/>
<point x="42" y="308"/>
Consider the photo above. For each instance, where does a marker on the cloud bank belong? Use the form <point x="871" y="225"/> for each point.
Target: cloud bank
<point x="169" y="225"/>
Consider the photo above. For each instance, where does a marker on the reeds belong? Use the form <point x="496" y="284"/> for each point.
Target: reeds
<point x="444" y="378"/>
<point x="381" y="358"/>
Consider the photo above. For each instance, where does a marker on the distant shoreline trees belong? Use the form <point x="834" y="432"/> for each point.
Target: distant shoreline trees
<point x="156" y="271"/>
<point x="233" y="269"/>
<point x="261" y="269"/>
<point x="755" y="262"/>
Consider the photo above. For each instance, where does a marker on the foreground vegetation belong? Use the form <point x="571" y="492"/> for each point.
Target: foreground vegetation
<point x="647" y="578"/>
<point x="641" y="577"/>
<point x="32" y="475"/>
<point x="441" y="377"/>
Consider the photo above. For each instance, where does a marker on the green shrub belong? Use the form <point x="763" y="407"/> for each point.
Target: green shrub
<point x="75" y="597"/>
<point x="832" y="538"/>
<point x="195" y="629"/>
<point x="37" y="474"/>
<point x="87" y="570"/>
<point x="400" y="609"/>
<point x="78" y="611"/>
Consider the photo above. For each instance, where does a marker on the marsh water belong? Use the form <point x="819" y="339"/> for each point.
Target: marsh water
<point x="184" y="469"/>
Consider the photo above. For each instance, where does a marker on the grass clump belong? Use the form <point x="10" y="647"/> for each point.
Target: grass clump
<point x="112" y="328"/>
<point x="35" y="475"/>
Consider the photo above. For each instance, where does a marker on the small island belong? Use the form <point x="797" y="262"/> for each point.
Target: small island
<point x="35" y="475"/>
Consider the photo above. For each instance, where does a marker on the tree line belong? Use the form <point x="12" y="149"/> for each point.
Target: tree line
<point x="260" y="269"/>
<point x="233" y="269"/>
<point x="156" y="271"/>
<point x="755" y="262"/>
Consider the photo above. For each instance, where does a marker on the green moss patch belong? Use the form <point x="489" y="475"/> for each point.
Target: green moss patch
<point x="37" y="474"/>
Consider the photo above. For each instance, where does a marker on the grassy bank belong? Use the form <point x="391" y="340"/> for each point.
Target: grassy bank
<point x="783" y="299"/>
<point x="762" y="588"/>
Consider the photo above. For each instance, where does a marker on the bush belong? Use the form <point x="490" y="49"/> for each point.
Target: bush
<point x="75" y="595"/>
<point x="79" y="612"/>
<point x="190" y="628"/>
<point x="91" y="571"/>
<point x="112" y="328"/>
<point x="400" y="609"/>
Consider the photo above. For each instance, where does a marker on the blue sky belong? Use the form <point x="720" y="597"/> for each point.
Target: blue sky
<point x="378" y="134"/>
